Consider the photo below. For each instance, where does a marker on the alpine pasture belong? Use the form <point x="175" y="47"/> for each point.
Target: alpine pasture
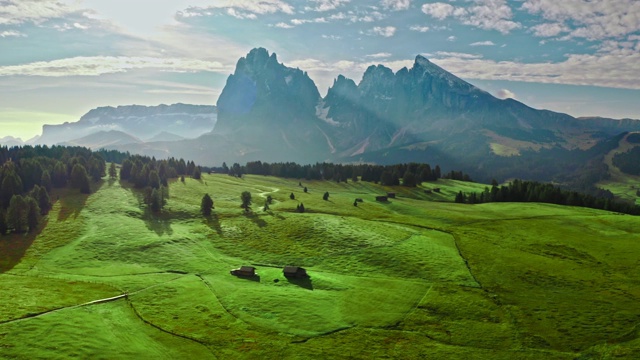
<point x="416" y="277"/>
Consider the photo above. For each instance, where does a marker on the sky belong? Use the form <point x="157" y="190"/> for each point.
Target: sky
<point x="61" y="58"/>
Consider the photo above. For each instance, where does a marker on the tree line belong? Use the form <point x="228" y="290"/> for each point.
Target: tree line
<point x="153" y="176"/>
<point x="408" y="174"/>
<point x="629" y="161"/>
<point x="532" y="191"/>
<point x="29" y="173"/>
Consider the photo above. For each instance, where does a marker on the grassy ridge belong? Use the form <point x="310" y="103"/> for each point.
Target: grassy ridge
<point x="415" y="277"/>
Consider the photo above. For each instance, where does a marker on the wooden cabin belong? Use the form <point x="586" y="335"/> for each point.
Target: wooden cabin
<point x="246" y="271"/>
<point x="294" y="272"/>
<point x="381" y="198"/>
<point x="391" y="195"/>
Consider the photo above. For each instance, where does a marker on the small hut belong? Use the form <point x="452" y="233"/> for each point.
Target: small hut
<point x="295" y="272"/>
<point x="381" y="198"/>
<point x="245" y="271"/>
<point x="391" y="195"/>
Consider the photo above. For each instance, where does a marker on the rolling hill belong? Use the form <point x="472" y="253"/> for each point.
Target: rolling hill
<point x="414" y="277"/>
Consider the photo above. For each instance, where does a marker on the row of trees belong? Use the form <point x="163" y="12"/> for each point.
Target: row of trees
<point x="531" y="191"/>
<point x="28" y="174"/>
<point x="628" y="162"/>
<point x="409" y="174"/>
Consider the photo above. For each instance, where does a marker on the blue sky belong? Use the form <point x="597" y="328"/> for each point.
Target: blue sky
<point x="60" y="58"/>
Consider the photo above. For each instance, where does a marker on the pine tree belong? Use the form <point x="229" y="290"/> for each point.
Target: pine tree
<point x="17" y="214"/>
<point x="292" y="197"/>
<point x="206" y="205"/>
<point x="33" y="213"/>
<point x="80" y="179"/>
<point x="113" y="173"/>
<point x="45" y="180"/>
<point x="325" y="197"/>
<point x="246" y="200"/>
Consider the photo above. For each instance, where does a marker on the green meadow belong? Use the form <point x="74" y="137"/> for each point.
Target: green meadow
<point x="417" y="277"/>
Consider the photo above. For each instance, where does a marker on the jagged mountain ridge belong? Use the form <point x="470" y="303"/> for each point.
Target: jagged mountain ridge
<point x="142" y="122"/>
<point x="424" y="113"/>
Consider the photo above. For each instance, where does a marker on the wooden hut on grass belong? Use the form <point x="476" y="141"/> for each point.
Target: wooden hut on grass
<point x="244" y="271"/>
<point x="295" y="272"/>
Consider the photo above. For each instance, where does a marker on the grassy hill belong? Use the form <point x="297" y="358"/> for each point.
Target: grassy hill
<point x="624" y="186"/>
<point x="415" y="277"/>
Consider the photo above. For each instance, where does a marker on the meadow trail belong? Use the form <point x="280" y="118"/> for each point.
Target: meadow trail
<point x="93" y="302"/>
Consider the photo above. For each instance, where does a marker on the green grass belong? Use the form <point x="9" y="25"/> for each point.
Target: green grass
<point x="415" y="277"/>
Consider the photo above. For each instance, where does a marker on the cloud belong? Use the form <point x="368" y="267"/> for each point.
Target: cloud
<point x="307" y="21"/>
<point x="606" y="70"/>
<point x="326" y="5"/>
<point x="242" y="9"/>
<point x="483" y="14"/>
<point x="483" y="43"/>
<point x="438" y="11"/>
<point x="396" y="5"/>
<point x="381" y="55"/>
<point x="592" y="20"/>
<point x="12" y="33"/>
<point x="387" y="31"/>
<point x="33" y="11"/>
<point x="419" y="28"/>
<point x="283" y="25"/>
<point x="452" y="38"/>
<point x="99" y="65"/>
<point x="505" y="94"/>
<point x="548" y="29"/>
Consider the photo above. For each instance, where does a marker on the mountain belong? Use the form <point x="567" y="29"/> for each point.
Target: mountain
<point x="103" y="140"/>
<point x="143" y="122"/>
<point x="10" y="141"/>
<point x="268" y="110"/>
<point x="274" y="113"/>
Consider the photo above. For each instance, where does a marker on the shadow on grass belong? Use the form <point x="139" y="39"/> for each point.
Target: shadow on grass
<point x="213" y="223"/>
<point x="71" y="204"/>
<point x="14" y="246"/>
<point x="157" y="222"/>
<point x="302" y="282"/>
<point x="255" y="278"/>
<point x="255" y="218"/>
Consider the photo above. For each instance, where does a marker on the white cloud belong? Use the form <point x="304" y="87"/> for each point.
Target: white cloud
<point x="452" y="38"/>
<point x="387" y="31"/>
<point x="439" y="11"/>
<point x="419" y="28"/>
<point x="548" y="29"/>
<point x="483" y="43"/>
<point x="483" y="14"/>
<point x="34" y="11"/>
<point x="458" y="55"/>
<point x="326" y="5"/>
<point x="307" y="21"/>
<point x="618" y="70"/>
<point x="592" y="20"/>
<point x="505" y="94"/>
<point x="99" y="65"/>
<point x="396" y="5"/>
<point x="242" y="9"/>
<point x="381" y="55"/>
<point x="12" y="33"/>
<point x="283" y="25"/>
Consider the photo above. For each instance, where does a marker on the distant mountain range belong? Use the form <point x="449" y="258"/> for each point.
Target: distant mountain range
<point x="110" y="127"/>
<point x="274" y="113"/>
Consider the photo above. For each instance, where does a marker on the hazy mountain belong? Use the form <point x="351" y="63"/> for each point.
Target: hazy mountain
<point x="271" y="112"/>
<point x="143" y="122"/>
<point x="268" y="111"/>
<point x="10" y="141"/>
<point x="165" y="136"/>
<point x="103" y="139"/>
